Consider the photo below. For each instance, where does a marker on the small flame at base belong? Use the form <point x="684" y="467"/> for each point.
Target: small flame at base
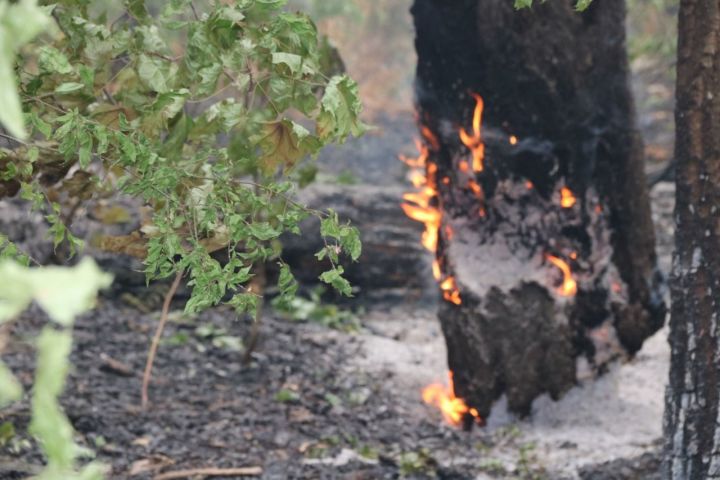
<point x="567" y="198"/>
<point x="453" y="409"/>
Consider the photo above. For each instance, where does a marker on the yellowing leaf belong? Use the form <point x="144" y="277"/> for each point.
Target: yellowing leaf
<point x="284" y="143"/>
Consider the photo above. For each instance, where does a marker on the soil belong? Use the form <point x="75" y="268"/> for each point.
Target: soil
<point x="322" y="403"/>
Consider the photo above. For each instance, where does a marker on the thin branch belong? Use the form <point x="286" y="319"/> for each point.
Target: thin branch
<point x="211" y="472"/>
<point x="156" y="339"/>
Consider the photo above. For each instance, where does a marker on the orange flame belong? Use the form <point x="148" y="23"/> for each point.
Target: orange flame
<point x="513" y="140"/>
<point x="453" y="408"/>
<point x="437" y="274"/>
<point x="420" y="206"/>
<point x="420" y="161"/>
<point x="430" y="137"/>
<point x="569" y="285"/>
<point x="567" y="198"/>
<point x="431" y="217"/>
<point x="474" y="141"/>
<point x="476" y="189"/>
<point x="451" y="293"/>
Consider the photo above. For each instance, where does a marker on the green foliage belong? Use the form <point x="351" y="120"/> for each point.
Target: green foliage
<point x="19" y="23"/>
<point x="203" y="110"/>
<point x="63" y="293"/>
<point x="313" y="309"/>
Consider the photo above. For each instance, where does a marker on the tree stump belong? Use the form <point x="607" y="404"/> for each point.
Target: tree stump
<point x="533" y="195"/>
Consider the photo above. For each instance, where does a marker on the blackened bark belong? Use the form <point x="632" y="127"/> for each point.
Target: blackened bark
<point x="692" y="427"/>
<point x="557" y="80"/>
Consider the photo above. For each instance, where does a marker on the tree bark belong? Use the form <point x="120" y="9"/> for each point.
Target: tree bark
<point x="692" y="426"/>
<point x="558" y="113"/>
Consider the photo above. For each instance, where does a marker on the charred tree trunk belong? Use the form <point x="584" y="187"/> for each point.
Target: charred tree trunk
<point x="692" y="427"/>
<point x="545" y="249"/>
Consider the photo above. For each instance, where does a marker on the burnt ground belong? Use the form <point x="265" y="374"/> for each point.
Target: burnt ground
<point x="293" y="411"/>
<point x="321" y="403"/>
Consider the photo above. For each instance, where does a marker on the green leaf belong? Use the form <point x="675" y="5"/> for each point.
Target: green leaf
<point x="52" y="60"/>
<point x="264" y="231"/>
<point x="19" y="23"/>
<point x="41" y="125"/>
<point x="157" y="73"/>
<point x="63" y="293"/>
<point x="137" y="9"/>
<point x="335" y="279"/>
<point x="350" y="241"/>
<point x="286" y="396"/>
<point x="245" y="303"/>
<point x="523" y="4"/>
<point x="341" y="108"/>
<point x="49" y="423"/>
<point x="288" y="287"/>
<point x="10" y="389"/>
<point x="293" y="61"/>
<point x="582" y="5"/>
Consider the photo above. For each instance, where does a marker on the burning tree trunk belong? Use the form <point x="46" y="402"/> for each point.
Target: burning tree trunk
<point x="531" y="186"/>
<point x="692" y="429"/>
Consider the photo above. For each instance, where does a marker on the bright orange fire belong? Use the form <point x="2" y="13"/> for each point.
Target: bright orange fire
<point x="450" y="290"/>
<point x="567" y="198"/>
<point x="453" y="408"/>
<point x="474" y="141"/>
<point x="437" y="273"/>
<point x="513" y="140"/>
<point x="419" y="206"/>
<point x="569" y="285"/>
<point x="431" y="217"/>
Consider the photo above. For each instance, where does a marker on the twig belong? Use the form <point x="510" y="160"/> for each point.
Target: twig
<point x="156" y="339"/>
<point x="211" y="472"/>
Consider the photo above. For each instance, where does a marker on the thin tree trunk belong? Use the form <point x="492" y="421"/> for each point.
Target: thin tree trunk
<point x="692" y="426"/>
<point x="558" y="114"/>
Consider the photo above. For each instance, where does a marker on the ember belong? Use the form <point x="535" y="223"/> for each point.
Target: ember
<point x="474" y="142"/>
<point x="569" y="285"/>
<point x="450" y="291"/>
<point x="567" y="198"/>
<point x="453" y="408"/>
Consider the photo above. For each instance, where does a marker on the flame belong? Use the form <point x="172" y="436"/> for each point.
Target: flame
<point x="567" y="198"/>
<point x="437" y="274"/>
<point x="430" y="137"/>
<point x="476" y="189"/>
<point x="420" y="161"/>
<point x="529" y="185"/>
<point x="453" y="409"/>
<point x="421" y="205"/>
<point x="430" y="216"/>
<point x="513" y="140"/>
<point x="569" y="285"/>
<point x="474" y="141"/>
<point x="420" y="208"/>
<point x="451" y="293"/>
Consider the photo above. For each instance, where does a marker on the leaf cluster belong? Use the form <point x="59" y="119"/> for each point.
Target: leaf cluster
<point x="206" y="111"/>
